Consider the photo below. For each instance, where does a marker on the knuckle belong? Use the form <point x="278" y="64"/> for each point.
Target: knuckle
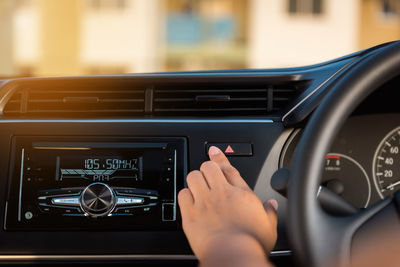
<point x="226" y="193"/>
<point x="191" y="176"/>
<point x="207" y="204"/>
<point x="208" y="165"/>
<point x="182" y="194"/>
<point x="248" y="196"/>
<point x="228" y="189"/>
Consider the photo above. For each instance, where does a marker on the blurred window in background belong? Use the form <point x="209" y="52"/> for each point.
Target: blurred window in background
<point x="305" y="6"/>
<point x="83" y="37"/>
<point x="107" y="4"/>
<point x="206" y="33"/>
<point x="390" y="7"/>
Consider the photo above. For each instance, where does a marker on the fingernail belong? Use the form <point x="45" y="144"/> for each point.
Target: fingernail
<point x="214" y="151"/>
<point x="274" y="204"/>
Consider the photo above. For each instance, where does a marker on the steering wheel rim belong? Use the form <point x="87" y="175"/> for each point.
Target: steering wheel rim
<point x="317" y="238"/>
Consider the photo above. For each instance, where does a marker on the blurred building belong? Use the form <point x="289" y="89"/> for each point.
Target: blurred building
<point x="121" y="36"/>
<point x="70" y="37"/>
<point x="6" y="42"/>
<point x="379" y="21"/>
<point x="301" y="32"/>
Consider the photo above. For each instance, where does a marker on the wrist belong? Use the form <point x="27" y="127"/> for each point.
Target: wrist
<point x="237" y="249"/>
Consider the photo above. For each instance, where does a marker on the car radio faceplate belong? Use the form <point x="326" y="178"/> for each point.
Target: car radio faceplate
<point x="93" y="183"/>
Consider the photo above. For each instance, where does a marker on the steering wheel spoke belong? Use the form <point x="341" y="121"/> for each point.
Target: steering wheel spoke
<point x="375" y="231"/>
<point x="333" y="237"/>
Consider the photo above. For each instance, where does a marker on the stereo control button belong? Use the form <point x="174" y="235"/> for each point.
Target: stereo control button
<point x="124" y="211"/>
<point x="61" y="192"/>
<point x="68" y="201"/>
<point x="168" y="212"/>
<point x="169" y="159"/>
<point x="70" y="211"/>
<point x="98" y="199"/>
<point x="44" y="207"/>
<point x="71" y="191"/>
<point x="129" y="200"/>
<point x="143" y="210"/>
<point x="168" y="168"/>
<point x="135" y="191"/>
<point x="147" y="209"/>
<point x="133" y="211"/>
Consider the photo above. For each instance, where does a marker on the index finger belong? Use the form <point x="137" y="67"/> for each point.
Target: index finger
<point x="231" y="173"/>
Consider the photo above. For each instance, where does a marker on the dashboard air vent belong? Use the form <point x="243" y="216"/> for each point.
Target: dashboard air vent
<point x="100" y="98"/>
<point x="225" y="100"/>
<point x="75" y="103"/>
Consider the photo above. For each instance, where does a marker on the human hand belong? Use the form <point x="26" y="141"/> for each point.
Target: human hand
<point x="218" y="207"/>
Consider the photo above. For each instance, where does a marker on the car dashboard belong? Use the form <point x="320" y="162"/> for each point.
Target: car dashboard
<point x="129" y="140"/>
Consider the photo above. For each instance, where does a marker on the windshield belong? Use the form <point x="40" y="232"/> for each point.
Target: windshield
<point x="83" y="37"/>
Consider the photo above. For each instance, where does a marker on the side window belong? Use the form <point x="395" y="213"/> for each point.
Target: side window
<point x="390" y="7"/>
<point x="305" y="7"/>
<point x="107" y="4"/>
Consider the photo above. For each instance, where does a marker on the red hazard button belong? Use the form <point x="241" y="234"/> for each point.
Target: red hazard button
<point x="229" y="150"/>
<point x="233" y="149"/>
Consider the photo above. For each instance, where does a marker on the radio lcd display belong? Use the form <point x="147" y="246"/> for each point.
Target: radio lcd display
<point x="101" y="166"/>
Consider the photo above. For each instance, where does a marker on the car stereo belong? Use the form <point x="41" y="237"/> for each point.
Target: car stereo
<point x="84" y="183"/>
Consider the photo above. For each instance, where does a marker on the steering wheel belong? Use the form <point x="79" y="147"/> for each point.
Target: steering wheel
<point x="318" y="238"/>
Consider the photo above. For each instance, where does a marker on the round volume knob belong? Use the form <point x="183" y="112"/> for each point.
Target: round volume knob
<point x="97" y="200"/>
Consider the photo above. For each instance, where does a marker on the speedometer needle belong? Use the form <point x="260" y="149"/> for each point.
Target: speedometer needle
<point x="391" y="186"/>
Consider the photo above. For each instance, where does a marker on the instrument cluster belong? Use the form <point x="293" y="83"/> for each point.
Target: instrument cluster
<point x="363" y="164"/>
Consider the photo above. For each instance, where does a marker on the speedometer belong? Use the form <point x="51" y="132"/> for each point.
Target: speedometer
<point x="386" y="164"/>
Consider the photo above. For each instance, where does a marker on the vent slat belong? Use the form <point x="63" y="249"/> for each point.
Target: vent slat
<point x="180" y="91"/>
<point x="14" y="102"/>
<point x="209" y="109"/>
<point x="89" y="111"/>
<point x="281" y="98"/>
<point x="122" y="100"/>
<point x="77" y="103"/>
<point x="100" y="101"/>
<point x="174" y="100"/>
<point x="193" y="100"/>
<point x="94" y="92"/>
<point x="236" y="99"/>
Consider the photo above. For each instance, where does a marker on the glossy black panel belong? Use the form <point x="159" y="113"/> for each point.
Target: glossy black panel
<point x="262" y="134"/>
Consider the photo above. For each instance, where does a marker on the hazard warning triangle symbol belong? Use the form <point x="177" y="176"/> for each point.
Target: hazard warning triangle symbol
<point x="229" y="150"/>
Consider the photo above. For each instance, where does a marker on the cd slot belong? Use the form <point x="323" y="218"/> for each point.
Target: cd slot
<point x="88" y="146"/>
